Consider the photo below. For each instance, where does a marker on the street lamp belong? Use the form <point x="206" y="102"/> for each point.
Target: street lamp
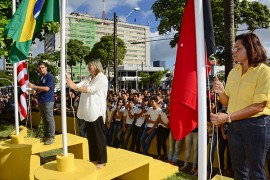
<point x="115" y="47"/>
<point x="137" y="79"/>
<point x="135" y="9"/>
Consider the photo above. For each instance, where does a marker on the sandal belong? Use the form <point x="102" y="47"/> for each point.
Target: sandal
<point x="183" y="168"/>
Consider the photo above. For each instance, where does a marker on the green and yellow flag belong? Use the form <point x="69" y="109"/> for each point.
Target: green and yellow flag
<point x="23" y="23"/>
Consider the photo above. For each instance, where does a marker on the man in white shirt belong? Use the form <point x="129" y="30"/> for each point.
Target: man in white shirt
<point x="152" y="121"/>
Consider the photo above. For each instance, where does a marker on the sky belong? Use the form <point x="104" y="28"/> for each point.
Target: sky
<point x="160" y="50"/>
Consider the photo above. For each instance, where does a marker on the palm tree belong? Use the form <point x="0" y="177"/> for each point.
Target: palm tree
<point x="229" y="34"/>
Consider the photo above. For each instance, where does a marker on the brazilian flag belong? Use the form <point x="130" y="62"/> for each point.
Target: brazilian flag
<point x="28" y="19"/>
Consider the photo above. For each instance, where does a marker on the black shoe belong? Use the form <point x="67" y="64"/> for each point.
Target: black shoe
<point x="44" y="139"/>
<point x="49" y="141"/>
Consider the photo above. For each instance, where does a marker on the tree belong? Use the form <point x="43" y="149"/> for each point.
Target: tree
<point x="253" y="14"/>
<point x="53" y="68"/>
<point x="154" y="79"/>
<point x="104" y="50"/>
<point x="76" y="52"/>
<point x="5" y="16"/>
<point x="228" y="34"/>
<point x="5" y="79"/>
<point x="145" y="78"/>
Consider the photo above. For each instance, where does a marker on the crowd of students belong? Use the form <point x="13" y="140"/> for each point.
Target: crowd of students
<point x="133" y="120"/>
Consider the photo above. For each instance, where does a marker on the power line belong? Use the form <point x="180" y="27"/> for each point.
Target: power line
<point x="142" y="42"/>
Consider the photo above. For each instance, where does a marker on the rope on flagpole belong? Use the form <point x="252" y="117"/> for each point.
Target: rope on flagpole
<point x="213" y="126"/>
<point x="29" y="112"/>
<point x="73" y="112"/>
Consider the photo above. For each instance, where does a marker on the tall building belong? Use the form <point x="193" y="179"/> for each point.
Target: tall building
<point x="89" y="30"/>
<point x="159" y="63"/>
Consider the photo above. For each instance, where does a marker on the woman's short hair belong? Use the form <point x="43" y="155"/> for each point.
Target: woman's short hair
<point x="97" y="64"/>
<point x="255" y="51"/>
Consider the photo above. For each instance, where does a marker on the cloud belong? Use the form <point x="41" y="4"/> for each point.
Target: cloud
<point x="96" y="6"/>
<point x="264" y="35"/>
<point x="266" y="2"/>
<point x="147" y="13"/>
<point x="161" y="49"/>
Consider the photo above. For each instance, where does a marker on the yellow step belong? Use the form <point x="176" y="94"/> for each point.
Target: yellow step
<point x="161" y="170"/>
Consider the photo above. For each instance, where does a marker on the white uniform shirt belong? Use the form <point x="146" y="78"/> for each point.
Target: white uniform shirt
<point x="164" y="118"/>
<point x="93" y="103"/>
<point x="141" y="119"/>
<point x="122" y="110"/>
<point x="153" y="115"/>
<point x="129" y="120"/>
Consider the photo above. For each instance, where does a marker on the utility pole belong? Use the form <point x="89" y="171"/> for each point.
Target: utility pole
<point x="142" y="71"/>
<point x="115" y="55"/>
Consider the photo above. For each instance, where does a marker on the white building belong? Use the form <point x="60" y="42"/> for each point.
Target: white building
<point x="89" y="30"/>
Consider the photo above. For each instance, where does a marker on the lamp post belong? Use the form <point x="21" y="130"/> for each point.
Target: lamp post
<point x="115" y="54"/>
<point x="135" y="9"/>
<point x="115" y="18"/>
<point x="137" y="79"/>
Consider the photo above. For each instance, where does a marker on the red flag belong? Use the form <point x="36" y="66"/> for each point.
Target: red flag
<point x="184" y="96"/>
<point x="23" y="82"/>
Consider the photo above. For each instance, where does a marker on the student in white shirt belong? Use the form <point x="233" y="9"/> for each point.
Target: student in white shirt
<point x="152" y="122"/>
<point x="139" y="125"/>
<point x="117" y="114"/>
<point x="163" y="131"/>
<point x="128" y="120"/>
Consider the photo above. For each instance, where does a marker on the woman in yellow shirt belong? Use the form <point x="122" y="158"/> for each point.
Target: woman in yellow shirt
<point x="246" y="96"/>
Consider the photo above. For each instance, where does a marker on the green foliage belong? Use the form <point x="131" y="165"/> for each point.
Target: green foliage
<point x="104" y="50"/>
<point x="145" y="78"/>
<point x="48" y="28"/>
<point x="221" y="76"/>
<point x="76" y="52"/>
<point x="5" y="15"/>
<point x="154" y="79"/>
<point x="53" y="68"/>
<point x="182" y="176"/>
<point x="170" y="12"/>
<point x="6" y="79"/>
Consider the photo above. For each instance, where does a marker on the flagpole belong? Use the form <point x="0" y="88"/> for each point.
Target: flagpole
<point x="15" y="85"/>
<point x="63" y="78"/>
<point x="201" y="73"/>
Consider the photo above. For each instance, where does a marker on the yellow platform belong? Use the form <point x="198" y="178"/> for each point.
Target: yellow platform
<point x="219" y="177"/>
<point x="24" y="159"/>
<point x="128" y="165"/>
<point x="122" y="164"/>
<point x="76" y="145"/>
<point x="80" y="170"/>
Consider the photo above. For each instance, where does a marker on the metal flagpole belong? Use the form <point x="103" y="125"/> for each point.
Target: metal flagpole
<point x="202" y="107"/>
<point x="63" y="77"/>
<point x="15" y="84"/>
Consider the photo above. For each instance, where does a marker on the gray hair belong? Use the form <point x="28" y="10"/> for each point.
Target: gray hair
<point x="97" y="64"/>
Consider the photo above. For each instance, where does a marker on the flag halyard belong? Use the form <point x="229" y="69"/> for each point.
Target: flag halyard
<point x="184" y="96"/>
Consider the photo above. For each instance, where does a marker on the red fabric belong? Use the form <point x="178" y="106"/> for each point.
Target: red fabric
<point x="184" y="101"/>
<point x="23" y="83"/>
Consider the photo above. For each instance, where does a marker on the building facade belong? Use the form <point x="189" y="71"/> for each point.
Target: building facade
<point x="159" y="64"/>
<point x="89" y="30"/>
